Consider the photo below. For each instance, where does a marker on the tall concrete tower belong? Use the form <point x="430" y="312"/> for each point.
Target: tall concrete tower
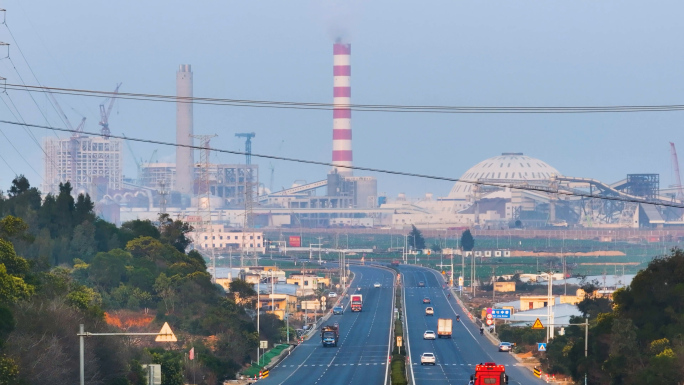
<point x="184" y="155"/>
<point x="342" y="133"/>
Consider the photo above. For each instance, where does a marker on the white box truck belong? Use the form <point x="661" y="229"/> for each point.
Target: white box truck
<point x="444" y="327"/>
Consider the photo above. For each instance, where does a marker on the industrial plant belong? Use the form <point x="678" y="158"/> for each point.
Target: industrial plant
<point x="509" y="190"/>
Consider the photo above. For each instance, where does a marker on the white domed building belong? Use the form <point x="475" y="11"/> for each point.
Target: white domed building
<point x="484" y="203"/>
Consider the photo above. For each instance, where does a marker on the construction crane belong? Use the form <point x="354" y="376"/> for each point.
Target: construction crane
<point x="248" y="145"/>
<point x="137" y="163"/>
<point x="104" y="113"/>
<point x="675" y="165"/>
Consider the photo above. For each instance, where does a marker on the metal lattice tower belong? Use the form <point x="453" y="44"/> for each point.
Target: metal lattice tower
<point x="248" y="226"/>
<point x="163" y="193"/>
<point x="204" y="199"/>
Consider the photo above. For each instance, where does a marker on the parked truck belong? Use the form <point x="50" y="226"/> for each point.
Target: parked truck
<point x="356" y="302"/>
<point x="489" y="373"/>
<point x="330" y="334"/>
<point x="444" y="327"/>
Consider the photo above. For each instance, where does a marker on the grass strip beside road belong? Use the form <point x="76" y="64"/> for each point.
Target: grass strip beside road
<point x="398" y="362"/>
<point x="265" y="360"/>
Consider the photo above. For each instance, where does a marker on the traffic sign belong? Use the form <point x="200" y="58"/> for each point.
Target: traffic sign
<point x="460" y="281"/>
<point x="400" y="341"/>
<point x="165" y="334"/>
<point x="489" y="316"/>
<point x="489" y="321"/>
<point x="537" y="324"/>
<point x="501" y="313"/>
<point x="263" y="344"/>
<point x="541" y="346"/>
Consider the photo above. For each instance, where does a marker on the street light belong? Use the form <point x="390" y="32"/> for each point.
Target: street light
<point x="549" y="311"/>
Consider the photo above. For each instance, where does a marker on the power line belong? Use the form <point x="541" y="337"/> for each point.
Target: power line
<point x="356" y="107"/>
<point x="12" y="144"/>
<point x="369" y="169"/>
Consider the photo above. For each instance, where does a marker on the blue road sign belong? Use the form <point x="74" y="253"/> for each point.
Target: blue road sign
<point x="501" y="313"/>
<point x="541" y="346"/>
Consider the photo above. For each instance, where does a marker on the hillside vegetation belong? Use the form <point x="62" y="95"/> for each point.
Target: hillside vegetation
<point x="60" y="266"/>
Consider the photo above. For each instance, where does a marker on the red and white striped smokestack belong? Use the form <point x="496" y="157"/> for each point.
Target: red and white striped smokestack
<point x="342" y="134"/>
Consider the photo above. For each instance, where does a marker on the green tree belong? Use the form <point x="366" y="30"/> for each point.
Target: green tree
<point x="11" y="226"/>
<point x="467" y="241"/>
<point x="14" y="264"/>
<point x="83" y="244"/>
<point x="8" y="370"/>
<point x="415" y="239"/>
<point x="138" y="228"/>
<point x="654" y="300"/>
<point x="13" y="288"/>
<point x="64" y="209"/>
<point x="107" y="270"/>
<point x="83" y="209"/>
<point x="174" y="232"/>
<point x="242" y="288"/>
<point x="171" y="366"/>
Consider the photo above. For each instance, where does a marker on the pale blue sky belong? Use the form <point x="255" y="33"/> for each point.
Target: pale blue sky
<point x="474" y="53"/>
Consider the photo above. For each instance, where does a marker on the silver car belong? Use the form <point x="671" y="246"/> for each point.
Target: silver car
<point x="429" y="335"/>
<point x="428" y="359"/>
<point x="505" y="347"/>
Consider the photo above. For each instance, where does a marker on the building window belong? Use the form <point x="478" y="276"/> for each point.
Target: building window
<point x="258" y="236"/>
<point x="306" y="283"/>
<point x="213" y="237"/>
<point x="251" y="237"/>
<point x="205" y="237"/>
<point x="221" y="237"/>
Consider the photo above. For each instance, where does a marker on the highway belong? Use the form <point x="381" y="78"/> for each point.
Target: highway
<point x="362" y="353"/>
<point x="456" y="357"/>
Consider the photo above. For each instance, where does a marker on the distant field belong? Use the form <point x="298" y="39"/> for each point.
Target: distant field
<point x="636" y="254"/>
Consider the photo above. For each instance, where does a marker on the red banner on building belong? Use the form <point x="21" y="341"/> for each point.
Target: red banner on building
<point x="295" y="241"/>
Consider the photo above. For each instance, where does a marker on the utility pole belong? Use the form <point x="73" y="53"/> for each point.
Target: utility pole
<point x="319" y="249"/>
<point x="493" y="284"/>
<point x="472" y="274"/>
<point x="452" y="269"/>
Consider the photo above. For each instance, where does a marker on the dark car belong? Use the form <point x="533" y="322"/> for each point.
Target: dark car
<point x="337" y="310"/>
<point x="426" y="300"/>
<point x="421" y="284"/>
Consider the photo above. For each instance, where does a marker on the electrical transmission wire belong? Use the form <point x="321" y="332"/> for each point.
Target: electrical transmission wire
<point x="370" y="169"/>
<point x="356" y="107"/>
<point x="12" y="144"/>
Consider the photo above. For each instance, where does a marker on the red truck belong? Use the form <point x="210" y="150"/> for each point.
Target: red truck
<point x="356" y="302"/>
<point x="489" y="373"/>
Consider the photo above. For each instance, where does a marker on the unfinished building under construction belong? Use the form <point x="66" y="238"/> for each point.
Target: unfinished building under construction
<point x="93" y="165"/>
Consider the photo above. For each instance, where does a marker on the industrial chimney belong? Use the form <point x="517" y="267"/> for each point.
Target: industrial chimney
<point x="342" y="134"/>
<point x="184" y="155"/>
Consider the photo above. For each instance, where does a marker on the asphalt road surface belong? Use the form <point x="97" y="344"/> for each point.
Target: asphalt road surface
<point x="363" y="349"/>
<point x="456" y="357"/>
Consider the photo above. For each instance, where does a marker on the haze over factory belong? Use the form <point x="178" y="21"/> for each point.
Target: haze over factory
<point x="503" y="191"/>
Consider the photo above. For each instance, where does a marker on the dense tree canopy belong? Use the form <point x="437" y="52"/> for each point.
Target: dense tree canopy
<point x="415" y="239"/>
<point x="467" y="241"/>
<point x="637" y="340"/>
<point x="61" y="265"/>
